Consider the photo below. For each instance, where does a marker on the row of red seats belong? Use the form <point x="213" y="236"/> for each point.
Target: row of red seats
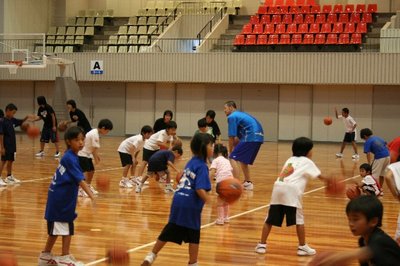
<point x="311" y="18"/>
<point x="290" y="3"/>
<point x="315" y="9"/>
<point x="298" y="39"/>
<point x="305" y="28"/>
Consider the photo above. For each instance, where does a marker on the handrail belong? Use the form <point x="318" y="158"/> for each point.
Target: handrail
<point x="211" y="23"/>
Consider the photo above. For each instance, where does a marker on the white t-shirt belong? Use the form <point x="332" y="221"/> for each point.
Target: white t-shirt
<point x="348" y="122"/>
<point x="370" y="185"/>
<point x="395" y="168"/>
<point x="294" y="176"/>
<point x="92" y="141"/>
<point x="162" y="136"/>
<point x="223" y="168"/>
<point x="131" y="144"/>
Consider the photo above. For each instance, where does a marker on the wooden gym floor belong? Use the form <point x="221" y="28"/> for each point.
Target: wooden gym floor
<point x="137" y="219"/>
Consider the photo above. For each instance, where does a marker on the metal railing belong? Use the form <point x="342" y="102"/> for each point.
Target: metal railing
<point x="213" y="21"/>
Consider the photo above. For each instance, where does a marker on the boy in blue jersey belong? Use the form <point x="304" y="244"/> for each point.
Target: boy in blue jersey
<point x="245" y="138"/>
<point x="377" y="146"/>
<point x="191" y="194"/>
<point x="61" y="202"/>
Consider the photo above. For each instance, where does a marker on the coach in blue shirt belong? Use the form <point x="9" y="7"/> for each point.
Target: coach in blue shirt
<point x="245" y="138"/>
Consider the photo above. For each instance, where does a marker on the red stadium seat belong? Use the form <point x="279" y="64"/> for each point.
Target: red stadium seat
<point x="326" y="28"/>
<point x="269" y="28"/>
<point x="254" y="19"/>
<point x="308" y="39"/>
<point x="287" y="18"/>
<point x="349" y="8"/>
<point x="280" y="28"/>
<point x="273" y="39"/>
<point x="292" y="28"/>
<point x="360" y="8"/>
<point x="269" y="3"/>
<point x="298" y="18"/>
<point x="262" y="39"/>
<point x="305" y="9"/>
<point x="279" y="2"/>
<point x="316" y="9"/>
<point x="276" y="19"/>
<point x="337" y="27"/>
<point x="296" y="38"/>
<point x="372" y="8"/>
<point x="314" y="28"/>
<point x="349" y="27"/>
<point x="283" y="9"/>
<point x="320" y="18"/>
<point x="367" y="18"/>
<point x="303" y="28"/>
<point x="311" y="3"/>
<point x="250" y="40"/>
<point x="285" y="39"/>
<point x="265" y="19"/>
<point x="300" y="3"/>
<point x="273" y="10"/>
<point x="290" y="3"/>
<point x="344" y="38"/>
<point x="361" y="27"/>
<point x="247" y="29"/>
<point x="262" y="10"/>
<point x="326" y="8"/>
<point x="338" y="8"/>
<point x="331" y="39"/>
<point x="309" y="18"/>
<point x="332" y="18"/>
<point x="294" y="10"/>
<point x="239" y="40"/>
<point x="343" y="17"/>
<point x="319" y="38"/>
<point x="356" y="38"/>
<point x="258" y="29"/>
<point x="355" y="17"/>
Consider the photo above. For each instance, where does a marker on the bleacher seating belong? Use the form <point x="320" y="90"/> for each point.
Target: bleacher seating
<point x="290" y="22"/>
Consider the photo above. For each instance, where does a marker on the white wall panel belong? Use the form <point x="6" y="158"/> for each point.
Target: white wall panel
<point x="19" y="93"/>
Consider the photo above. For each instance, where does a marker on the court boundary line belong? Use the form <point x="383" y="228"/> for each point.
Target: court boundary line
<point x="132" y="250"/>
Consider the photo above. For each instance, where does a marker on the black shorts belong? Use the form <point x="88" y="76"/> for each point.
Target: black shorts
<point x="349" y="137"/>
<point x="8" y="156"/>
<point x="276" y="214"/>
<point x="60" y="228"/>
<point x="86" y="164"/>
<point x="176" y="234"/>
<point x="126" y="159"/>
<point x="48" y="134"/>
<point x="147" y="154"/>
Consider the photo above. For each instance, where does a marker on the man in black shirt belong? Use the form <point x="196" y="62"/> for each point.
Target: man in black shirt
<point x="78" y="116"/>
<point x="162" y="123"/>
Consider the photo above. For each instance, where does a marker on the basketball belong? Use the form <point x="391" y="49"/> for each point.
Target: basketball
<point x="335" y="187"/>
<point x="62" y="126"/>
<point x="24" y="126"/>
<point x="117" y="255"/>
<point x="353" y="191"/>
<point x="103" y="183"/>
<point x="33" y="132"/>
<point x="230" y="189"/>
<point x="7" y="258"/>
<point x="327" y="120"/>
<point x="178" y="176"/>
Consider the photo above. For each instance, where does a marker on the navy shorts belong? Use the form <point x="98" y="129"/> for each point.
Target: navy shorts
<point x="126" y="159"/>
<point x="8" y="156"/>
<point x="349" y="137"/>
<point x="245" y="152"/>
<point x="86" y="164"/>
<point x="178" y="234"/>
<point x="48" y="134"/>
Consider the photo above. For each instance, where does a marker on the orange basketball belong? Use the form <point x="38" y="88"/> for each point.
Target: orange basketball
<point x="103" y="183"/>
<point x="178" y="176"/>
<point x="327" y="120"/>
<point x="62" y="126"/>
<point x="335" y="186"/>
<point x="353" y="191"/>
<point x="118" y="255"/>
<point x="33" y="132"/>
<point x="7" y="258"/>
<point x="230" y="189"/>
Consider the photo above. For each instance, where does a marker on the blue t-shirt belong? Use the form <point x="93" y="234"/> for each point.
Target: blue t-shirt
<point x="7" y="130"/>
<point x="63" y="190"/>
<point x="187" y="205"/>
<point x="377" y="146"/>
<point x="159" y="160"/>
<point x="245" y="127"/>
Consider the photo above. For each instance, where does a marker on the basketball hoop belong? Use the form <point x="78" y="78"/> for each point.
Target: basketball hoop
<point x="15" y="62"/>
<point x="13" y="65"/>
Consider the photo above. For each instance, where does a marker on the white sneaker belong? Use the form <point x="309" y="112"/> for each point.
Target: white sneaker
<point x="339" y="155"/>
<point x="57" y="155"/>
<point x="46" y="259"/>
<point x="39" y="154"/>
<point x="248" y="185"/>
<point x="11" y="180"/>
<point x="305" y="251"/>
<point x="149" y="259"/>
<point x="219" y="221"/>
<point x="138" y="188"/>
<point x="2" y="183"/>
<point x="94" y="191"/>
<point x="168" y="188"/>
<point x="355" y="156"/>
<point x="125" y="183"/>
<point x="138" y="179"/>
<point x="82" y="193"/>
<point x="69" y="260"/>
<point x="226" y="220"/>
<point x="261" y="248"/>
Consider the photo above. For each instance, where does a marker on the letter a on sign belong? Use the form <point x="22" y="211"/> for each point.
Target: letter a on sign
<point x="96" y="67"/>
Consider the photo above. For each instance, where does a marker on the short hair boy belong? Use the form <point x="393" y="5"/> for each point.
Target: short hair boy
<point x="204" y="128"/>
<point x="210" y="119"/>
<point x="350" y="132"/>
<point x="78" y="116"/>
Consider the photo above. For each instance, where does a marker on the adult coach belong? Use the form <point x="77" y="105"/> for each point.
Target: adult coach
<point x="245" y="138"/>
